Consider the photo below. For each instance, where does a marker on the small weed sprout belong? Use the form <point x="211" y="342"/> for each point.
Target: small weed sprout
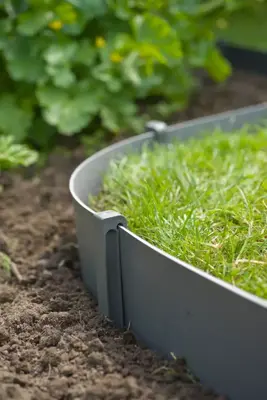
<point x="5" y="262"/>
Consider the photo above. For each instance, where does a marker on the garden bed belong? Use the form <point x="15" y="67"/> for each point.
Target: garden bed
<point x="53" y="342"/>
<point x="127" y="273"/>
<point x="204" y="201"/>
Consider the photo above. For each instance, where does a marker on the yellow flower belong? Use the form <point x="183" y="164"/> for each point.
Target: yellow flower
<point x="116" y="57"/>
<point x="56" y="25"/>
<point x="100" y="42"/>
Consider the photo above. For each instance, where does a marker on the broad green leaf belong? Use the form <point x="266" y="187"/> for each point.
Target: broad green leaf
<point x="14" y="120"/>
<point x="116" y="111"/>
<point x="75" y="29"/>
<point x="209" y="6"/>
<point x="67" y="119"/>
<point x="86" y="53"/>
<point x="123" y="42"/>
<point x="177" y="86"/>
<point x="89" y="95"/>
<point x="32" y="22"/>
<point x="155" y="32"/>
<point x="51" y="95"/>
<point x="5" y="28"/>
<point x="149" y="83"/>
<point x="62" y="76"/>
<point x="69" y="112"/>
<point x="92" y="8"/>
<point x="16" y="6"/>
<point x="110" y="119"/>
<point x="41" y="3"/>
<point x="126" y="107"/>
<point x="23" y="60"/>
<point x="60" y="53"/>
<point x="121" y="9"/>
<point x="66" y="13"/>
<point x="198" y="52"/>
<point x="131" y="70"/>
<point x="87" y="102"/>
<point x="217" y="66"/>
<point x="29" y="70"/>
<point x="104" y="73"/>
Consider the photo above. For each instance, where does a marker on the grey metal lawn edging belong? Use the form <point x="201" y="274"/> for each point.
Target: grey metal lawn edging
<point x="172" y="307"/>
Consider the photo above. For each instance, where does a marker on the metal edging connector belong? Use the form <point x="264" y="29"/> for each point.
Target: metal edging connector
<point x="108" y="271"/>
<point x="157" y="128"/>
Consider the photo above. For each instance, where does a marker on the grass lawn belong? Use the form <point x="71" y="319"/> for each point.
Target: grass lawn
<point x="203" y="200"/>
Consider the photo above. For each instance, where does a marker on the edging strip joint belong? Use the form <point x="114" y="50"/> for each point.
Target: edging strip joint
<point x="109" y="282"/>
<point x="157" y="128"/>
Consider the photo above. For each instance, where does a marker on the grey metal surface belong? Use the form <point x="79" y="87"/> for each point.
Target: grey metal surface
<point x="227" y="121"/>
<point x="97" y="235"/>
<point x="87" y="177"/>
<point x="108" y="267"/>
<point x="86" y="180"/>
<point x="172" y="307"/>
<point x="158" y="128"/>
<point x="86" y="226"/>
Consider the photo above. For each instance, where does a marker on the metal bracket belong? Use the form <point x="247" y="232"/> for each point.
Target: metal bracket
<point x="108" y="273"/>
<point x="157" y="128"/>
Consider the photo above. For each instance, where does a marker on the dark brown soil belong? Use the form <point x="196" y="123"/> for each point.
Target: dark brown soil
<point x="242" y="90"/>
<point x="53" y="342"/>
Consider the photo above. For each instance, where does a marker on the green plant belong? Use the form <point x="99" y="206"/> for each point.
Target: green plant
<point x="5" y="262"/>
<point x="246" y="28"/>
<point x="228" y="6"/>
<point x="203" y="201"/>
<point x="94" y="142"/>
<point x="69" y="64"/>
<point x="14" y="155"/>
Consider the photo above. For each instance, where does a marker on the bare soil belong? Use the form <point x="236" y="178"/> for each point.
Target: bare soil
<point x="54" y="344"/>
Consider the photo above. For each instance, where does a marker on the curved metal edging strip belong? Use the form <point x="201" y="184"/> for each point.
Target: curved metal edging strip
<point x="87" y="177"/>
<point x="194" y="270"/>
<point x="174" y="307"/>
<point x="226" y="121"/>
<point x="92" y="227"/>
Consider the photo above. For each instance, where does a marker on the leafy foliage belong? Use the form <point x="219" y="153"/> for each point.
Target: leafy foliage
<point x="14" y="155"/>
<point x="67" y="63"/>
